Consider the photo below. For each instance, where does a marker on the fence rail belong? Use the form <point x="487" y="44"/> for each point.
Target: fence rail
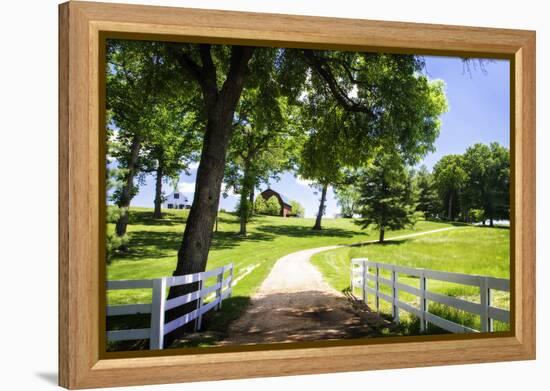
<point x="159" y="304"/>
<point x="363" y="271"/>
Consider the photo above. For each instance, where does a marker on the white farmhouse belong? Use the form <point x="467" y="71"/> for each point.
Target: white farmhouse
<point x="176" y="200"/>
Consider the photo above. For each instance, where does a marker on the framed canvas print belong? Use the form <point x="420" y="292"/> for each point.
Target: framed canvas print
<point x="247" y="195"/>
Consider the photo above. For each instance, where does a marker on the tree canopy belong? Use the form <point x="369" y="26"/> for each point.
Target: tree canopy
<point x="382" y="102"/>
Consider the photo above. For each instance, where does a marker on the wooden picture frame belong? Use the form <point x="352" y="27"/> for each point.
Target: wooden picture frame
<point x="84" y="24"/>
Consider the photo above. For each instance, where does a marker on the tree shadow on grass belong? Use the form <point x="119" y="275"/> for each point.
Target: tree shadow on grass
<point x="140" y="217"/>
<point x="464" y="224"/>
<point x="504" y="227"/>
<point x="226" y="240"/>
<point x="215" y="324"/>
<point x="156" y="244"/>
<point x="451" y="222"/>
<point x="151" y="244"/>
<point x="387" y="242"/>
<point x="304" y="316"/>
<point x="227" y="220"/>
<point x="302" y="232"/>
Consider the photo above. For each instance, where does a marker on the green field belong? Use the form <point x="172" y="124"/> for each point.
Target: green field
<point x="466" y="249"/>
<point x="154" y="244"/>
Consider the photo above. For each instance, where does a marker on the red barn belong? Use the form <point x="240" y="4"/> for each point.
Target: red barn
<point x="284" y="202"/>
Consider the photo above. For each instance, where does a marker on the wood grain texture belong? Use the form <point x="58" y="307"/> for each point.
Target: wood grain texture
<point x="63" y="219"/>
<point x="81" y="172"/>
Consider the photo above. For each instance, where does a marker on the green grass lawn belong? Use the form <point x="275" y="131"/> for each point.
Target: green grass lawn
<point x="466" y="249"/>
<point x="154" y="244"/>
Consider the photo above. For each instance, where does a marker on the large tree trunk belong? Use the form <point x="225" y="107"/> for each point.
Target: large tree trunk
<point x="197" y="236"/>
<point x="247" y="191"/>
<point x="126" y="194"/>
<point x="157" y="214"/>
<point x="317" y="225"/>
<point x="450" y="210"/>
<point x="490" y="213"/>
<point x="381" y="237"/>
<point x="194" y="248"/>
<point x="220" y="108"/>
<point x="251" y="201"/>
<point x="243" y="212"/>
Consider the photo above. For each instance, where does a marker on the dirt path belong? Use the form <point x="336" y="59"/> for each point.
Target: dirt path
<point x="294" y="303"/>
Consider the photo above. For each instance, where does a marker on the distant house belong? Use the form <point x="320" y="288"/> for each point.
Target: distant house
<point x="176" y="200"/>
<point x="284" y="202"/>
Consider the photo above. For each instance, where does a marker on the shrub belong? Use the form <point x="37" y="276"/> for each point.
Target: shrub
<point x="297" y="209"/>
<point x="476" y="215"/>
<point x="113" y="213"/>
<point x="113" y="245"/>
<point x="272" y="207"/>
<point x="260" y="205"/>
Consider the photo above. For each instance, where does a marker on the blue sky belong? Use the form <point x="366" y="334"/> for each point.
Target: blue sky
<point x="479" y="112"/>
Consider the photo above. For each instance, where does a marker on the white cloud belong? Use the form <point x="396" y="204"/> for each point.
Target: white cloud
<point x="193" y="165"/>
<point x="186" y="187"/>
<point x="303" y="182"/>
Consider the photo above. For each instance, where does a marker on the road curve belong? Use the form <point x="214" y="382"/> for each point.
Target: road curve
<point x="295" y="303"/>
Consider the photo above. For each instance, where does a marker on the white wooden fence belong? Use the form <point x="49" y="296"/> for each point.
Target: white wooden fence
<point x="363" y="271"/>
<point x="159" y="304"/>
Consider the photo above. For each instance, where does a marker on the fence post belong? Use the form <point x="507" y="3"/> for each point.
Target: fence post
<point x="395" y="296"/>
<point x="423" y="303"/>
<point x="364" y="282"/>
<point x="156" y="339"/>
<point x="489" y="303"/>
<point x="198" y="323"/>
<point x="351" y="276"/>
<point x="485" y="303"/>
<point x="230" y="285"/>
<point x="219" y="290"/>
<point x="377" y="298"/>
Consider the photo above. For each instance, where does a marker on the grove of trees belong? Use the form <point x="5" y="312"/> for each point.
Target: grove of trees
<point x="474" y="186"/>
